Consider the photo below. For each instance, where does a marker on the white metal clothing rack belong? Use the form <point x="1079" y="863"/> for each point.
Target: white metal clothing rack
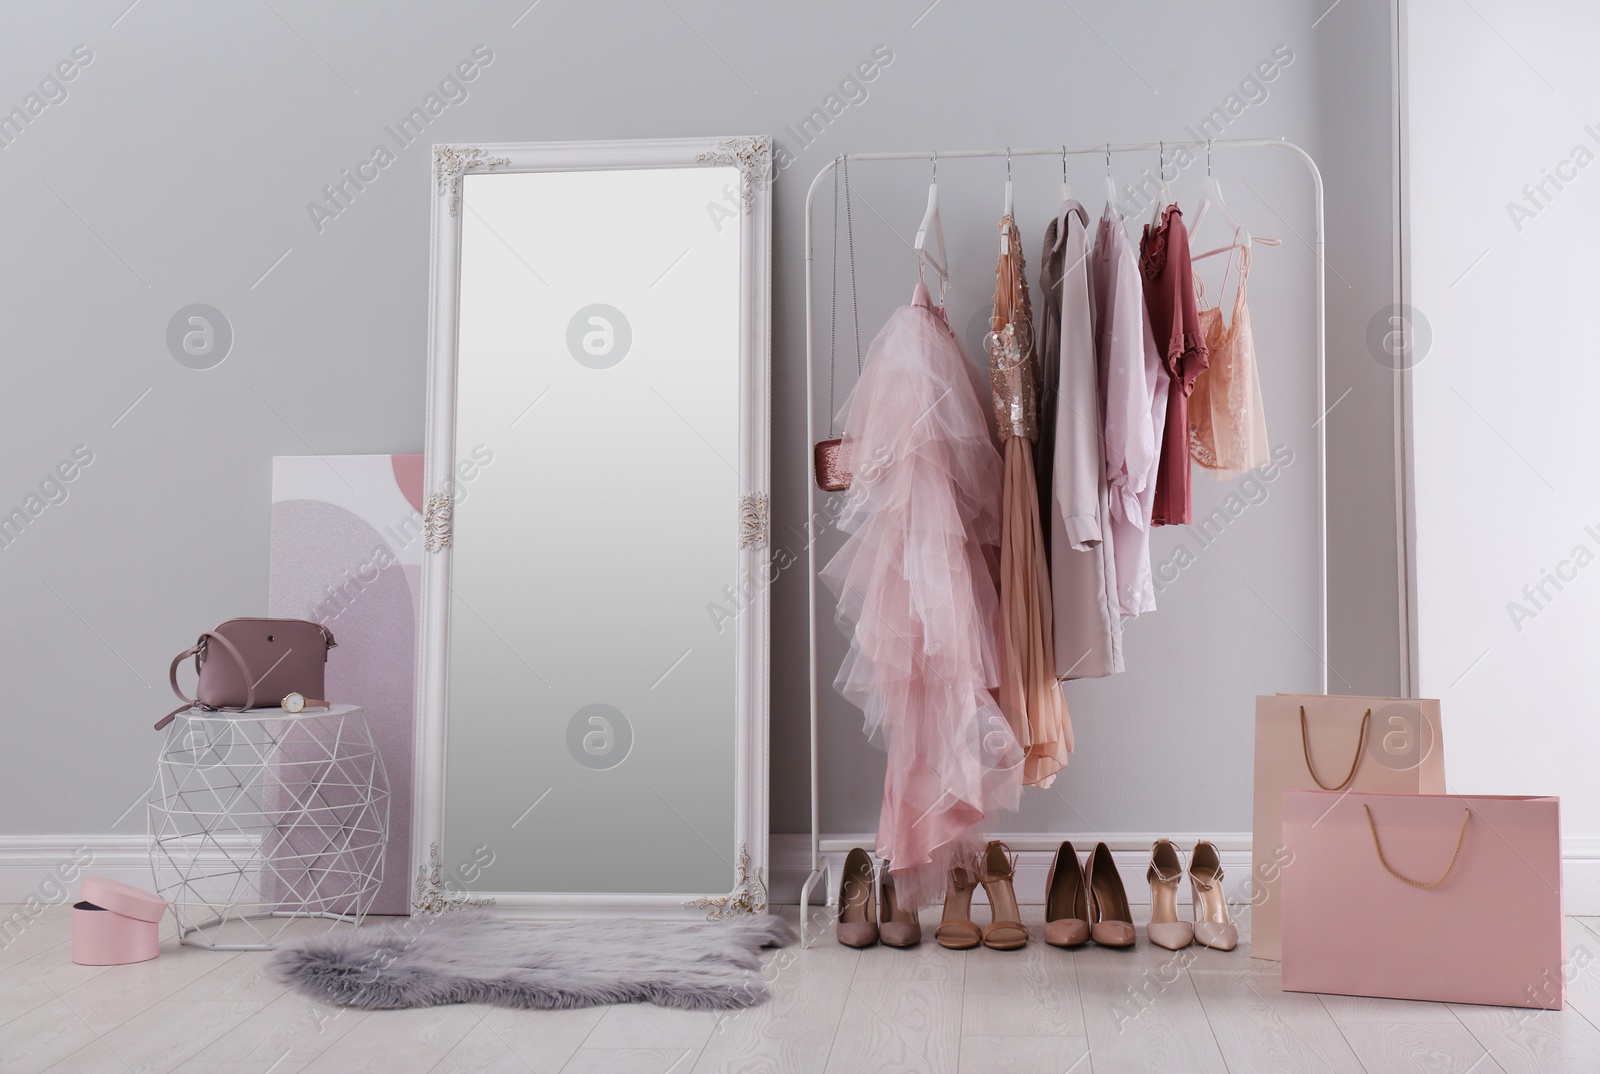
<point x="818" y="845"/>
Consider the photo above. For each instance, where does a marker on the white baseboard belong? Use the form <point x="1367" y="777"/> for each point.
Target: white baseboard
<point x="36" y="866"/>
<point x="791" y="865"/>
<point x="28" y="862"/>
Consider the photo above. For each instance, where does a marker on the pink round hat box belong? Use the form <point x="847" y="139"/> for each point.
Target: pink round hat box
<point x="115" y="923"/>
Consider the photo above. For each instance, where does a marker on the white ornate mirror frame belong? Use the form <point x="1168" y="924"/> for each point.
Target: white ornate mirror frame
<point x="747" y="522"/>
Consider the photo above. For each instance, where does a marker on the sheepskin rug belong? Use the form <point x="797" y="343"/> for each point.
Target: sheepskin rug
<point x="473" y="957"/>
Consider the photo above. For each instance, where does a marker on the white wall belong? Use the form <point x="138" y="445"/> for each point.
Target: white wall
<point x="179" y="169"/>
<point x="1504" y="401"/>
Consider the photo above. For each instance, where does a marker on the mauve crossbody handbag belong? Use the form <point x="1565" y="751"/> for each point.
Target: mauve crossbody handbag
<point x="243" y="660"/>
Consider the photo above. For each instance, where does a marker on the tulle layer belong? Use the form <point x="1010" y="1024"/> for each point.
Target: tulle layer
<point x="916" y="594"/>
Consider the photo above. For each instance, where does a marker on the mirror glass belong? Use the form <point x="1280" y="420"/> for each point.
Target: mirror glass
<point x="590" y="728"/>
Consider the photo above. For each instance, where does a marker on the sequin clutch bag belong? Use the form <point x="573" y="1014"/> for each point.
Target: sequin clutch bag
<point x="832" y="460"/>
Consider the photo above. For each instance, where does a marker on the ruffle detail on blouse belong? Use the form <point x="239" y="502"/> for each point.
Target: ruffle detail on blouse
<point x="1153" y="244"/>
<point x="1188" y="361"/>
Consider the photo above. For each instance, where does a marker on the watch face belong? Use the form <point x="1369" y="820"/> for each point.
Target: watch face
<point x="294" y="703"/>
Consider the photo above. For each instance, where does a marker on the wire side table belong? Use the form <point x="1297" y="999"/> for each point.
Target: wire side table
<point x="260" y="818"/>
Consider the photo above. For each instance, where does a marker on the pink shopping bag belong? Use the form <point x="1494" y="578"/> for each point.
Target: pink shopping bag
<point x="1452" y="898"/>
<point x="1382" y="745"/>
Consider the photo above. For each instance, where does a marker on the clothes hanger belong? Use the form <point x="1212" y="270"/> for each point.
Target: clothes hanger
<point x="1211" y="196"/>
<point x="1111" y="184"/>
<point x="1068" y="204"/>
<point x="932" y="227"/>
<point x="1009" y="203"/>
<point x="1164" y="198"/>
<point x="1005" y="233"/>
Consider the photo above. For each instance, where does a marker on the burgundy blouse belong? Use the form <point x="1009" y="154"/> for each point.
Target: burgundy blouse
<point x="1175" y="321"/>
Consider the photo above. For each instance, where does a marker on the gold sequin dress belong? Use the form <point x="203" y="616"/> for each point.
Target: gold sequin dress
<point x="1029" y="693"/>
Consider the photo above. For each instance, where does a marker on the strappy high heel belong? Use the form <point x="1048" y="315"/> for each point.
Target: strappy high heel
<point x="1006" y="932"/>
<point x="858" y="902"/>
<point x="898" y="926"/>
<point x="957" y="931"/>
<point x="1066" y="901"/>
<point x="1212" y="926"/>
<point x="1110" y="920"/>
<point x="1166" y="869"/>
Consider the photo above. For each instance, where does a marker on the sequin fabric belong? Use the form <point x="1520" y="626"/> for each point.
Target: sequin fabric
<point x="1013" y="365"/>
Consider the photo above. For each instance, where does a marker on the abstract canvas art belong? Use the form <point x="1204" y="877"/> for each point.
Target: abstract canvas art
<point x="347" y="553"/>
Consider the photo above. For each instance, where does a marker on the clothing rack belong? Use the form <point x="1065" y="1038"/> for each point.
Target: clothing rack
<point x="818" y="845"/>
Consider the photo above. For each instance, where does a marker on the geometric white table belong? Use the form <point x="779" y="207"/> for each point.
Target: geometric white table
<point x="258" y="818"/>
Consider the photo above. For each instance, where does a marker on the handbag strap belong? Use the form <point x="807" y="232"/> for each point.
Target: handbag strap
<point x="1355" y="762"/>
<point x="1460" y="839"/>
<point x="196" y="651"/>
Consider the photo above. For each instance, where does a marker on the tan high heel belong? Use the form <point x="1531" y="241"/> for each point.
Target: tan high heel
<point x="957" y="930"/>
<point x="1066" y="901"/>
<point x="858" y="902"/>
<point x="1110" y="920"/>
<point x="897" y="925"/>
<point x="1166" y="869"/>
<point x="1007" y="932"/>
<point x="1212" y="926"/>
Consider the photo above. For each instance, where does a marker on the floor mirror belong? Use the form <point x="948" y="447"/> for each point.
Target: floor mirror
<point x="592" y="734"/>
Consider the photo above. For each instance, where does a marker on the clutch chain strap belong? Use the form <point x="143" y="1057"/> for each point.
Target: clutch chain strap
<point x="833" y="305"/>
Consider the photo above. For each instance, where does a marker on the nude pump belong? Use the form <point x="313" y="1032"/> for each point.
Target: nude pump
<point x="898" y="926"/>
<point x="857" y="924"/>
<point x="1066" y="901"/>
<point x="1163" y="875"/>
<point x="1110" y="920"/>
<point x="1212" y="926"/>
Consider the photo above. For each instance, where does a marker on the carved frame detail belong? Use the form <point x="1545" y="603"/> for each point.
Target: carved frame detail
<point x="451" y="162"/>
<point x="753" y="158"/>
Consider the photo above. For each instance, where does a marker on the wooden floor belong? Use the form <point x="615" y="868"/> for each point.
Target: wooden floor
<point x="835" y="1010"/>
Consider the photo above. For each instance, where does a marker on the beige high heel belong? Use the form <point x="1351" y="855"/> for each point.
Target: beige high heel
<point x="858" y="907"/>
<point x="898" y="926"/>
<point x="1212" y="927"/>
<point x="1066" y="901"/>
<point x="1007" y="932"/>
<point x="1166" y="869"/>
<point x="957" y="931"/>
<point x="1110" y="920"/>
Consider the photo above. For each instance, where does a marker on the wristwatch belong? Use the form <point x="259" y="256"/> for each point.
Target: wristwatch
<point x="297" y="702"/>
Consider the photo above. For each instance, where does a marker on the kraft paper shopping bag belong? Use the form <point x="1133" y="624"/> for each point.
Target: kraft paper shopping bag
<point x="1383" y="745"/>
<point x="1450" y="898"/>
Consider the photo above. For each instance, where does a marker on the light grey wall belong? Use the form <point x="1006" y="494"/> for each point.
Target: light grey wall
<point x="1507" y="619"/>
<point x="179" y="168"/>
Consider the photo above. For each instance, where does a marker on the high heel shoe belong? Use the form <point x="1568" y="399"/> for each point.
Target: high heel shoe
<point x="1110" y="920"/>
<point x="957" y="931"/>
<point x="1212" y="927"/>
<point x="898" y="926"/>
<point x="858" y="904"/>
<point x="1007" y="932"/>
<point x="1166" y="869"/>
<point x="1066" y="901"/>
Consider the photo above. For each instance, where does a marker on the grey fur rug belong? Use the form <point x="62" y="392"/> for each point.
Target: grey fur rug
<point x="477" y="958"/>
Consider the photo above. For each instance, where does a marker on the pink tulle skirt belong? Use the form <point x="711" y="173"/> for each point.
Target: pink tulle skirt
<point x="916" y="589"/>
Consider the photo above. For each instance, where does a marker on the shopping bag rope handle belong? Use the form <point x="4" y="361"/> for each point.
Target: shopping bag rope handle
<point x="1462" y="838"/>
<point x="1355" y="762"/>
